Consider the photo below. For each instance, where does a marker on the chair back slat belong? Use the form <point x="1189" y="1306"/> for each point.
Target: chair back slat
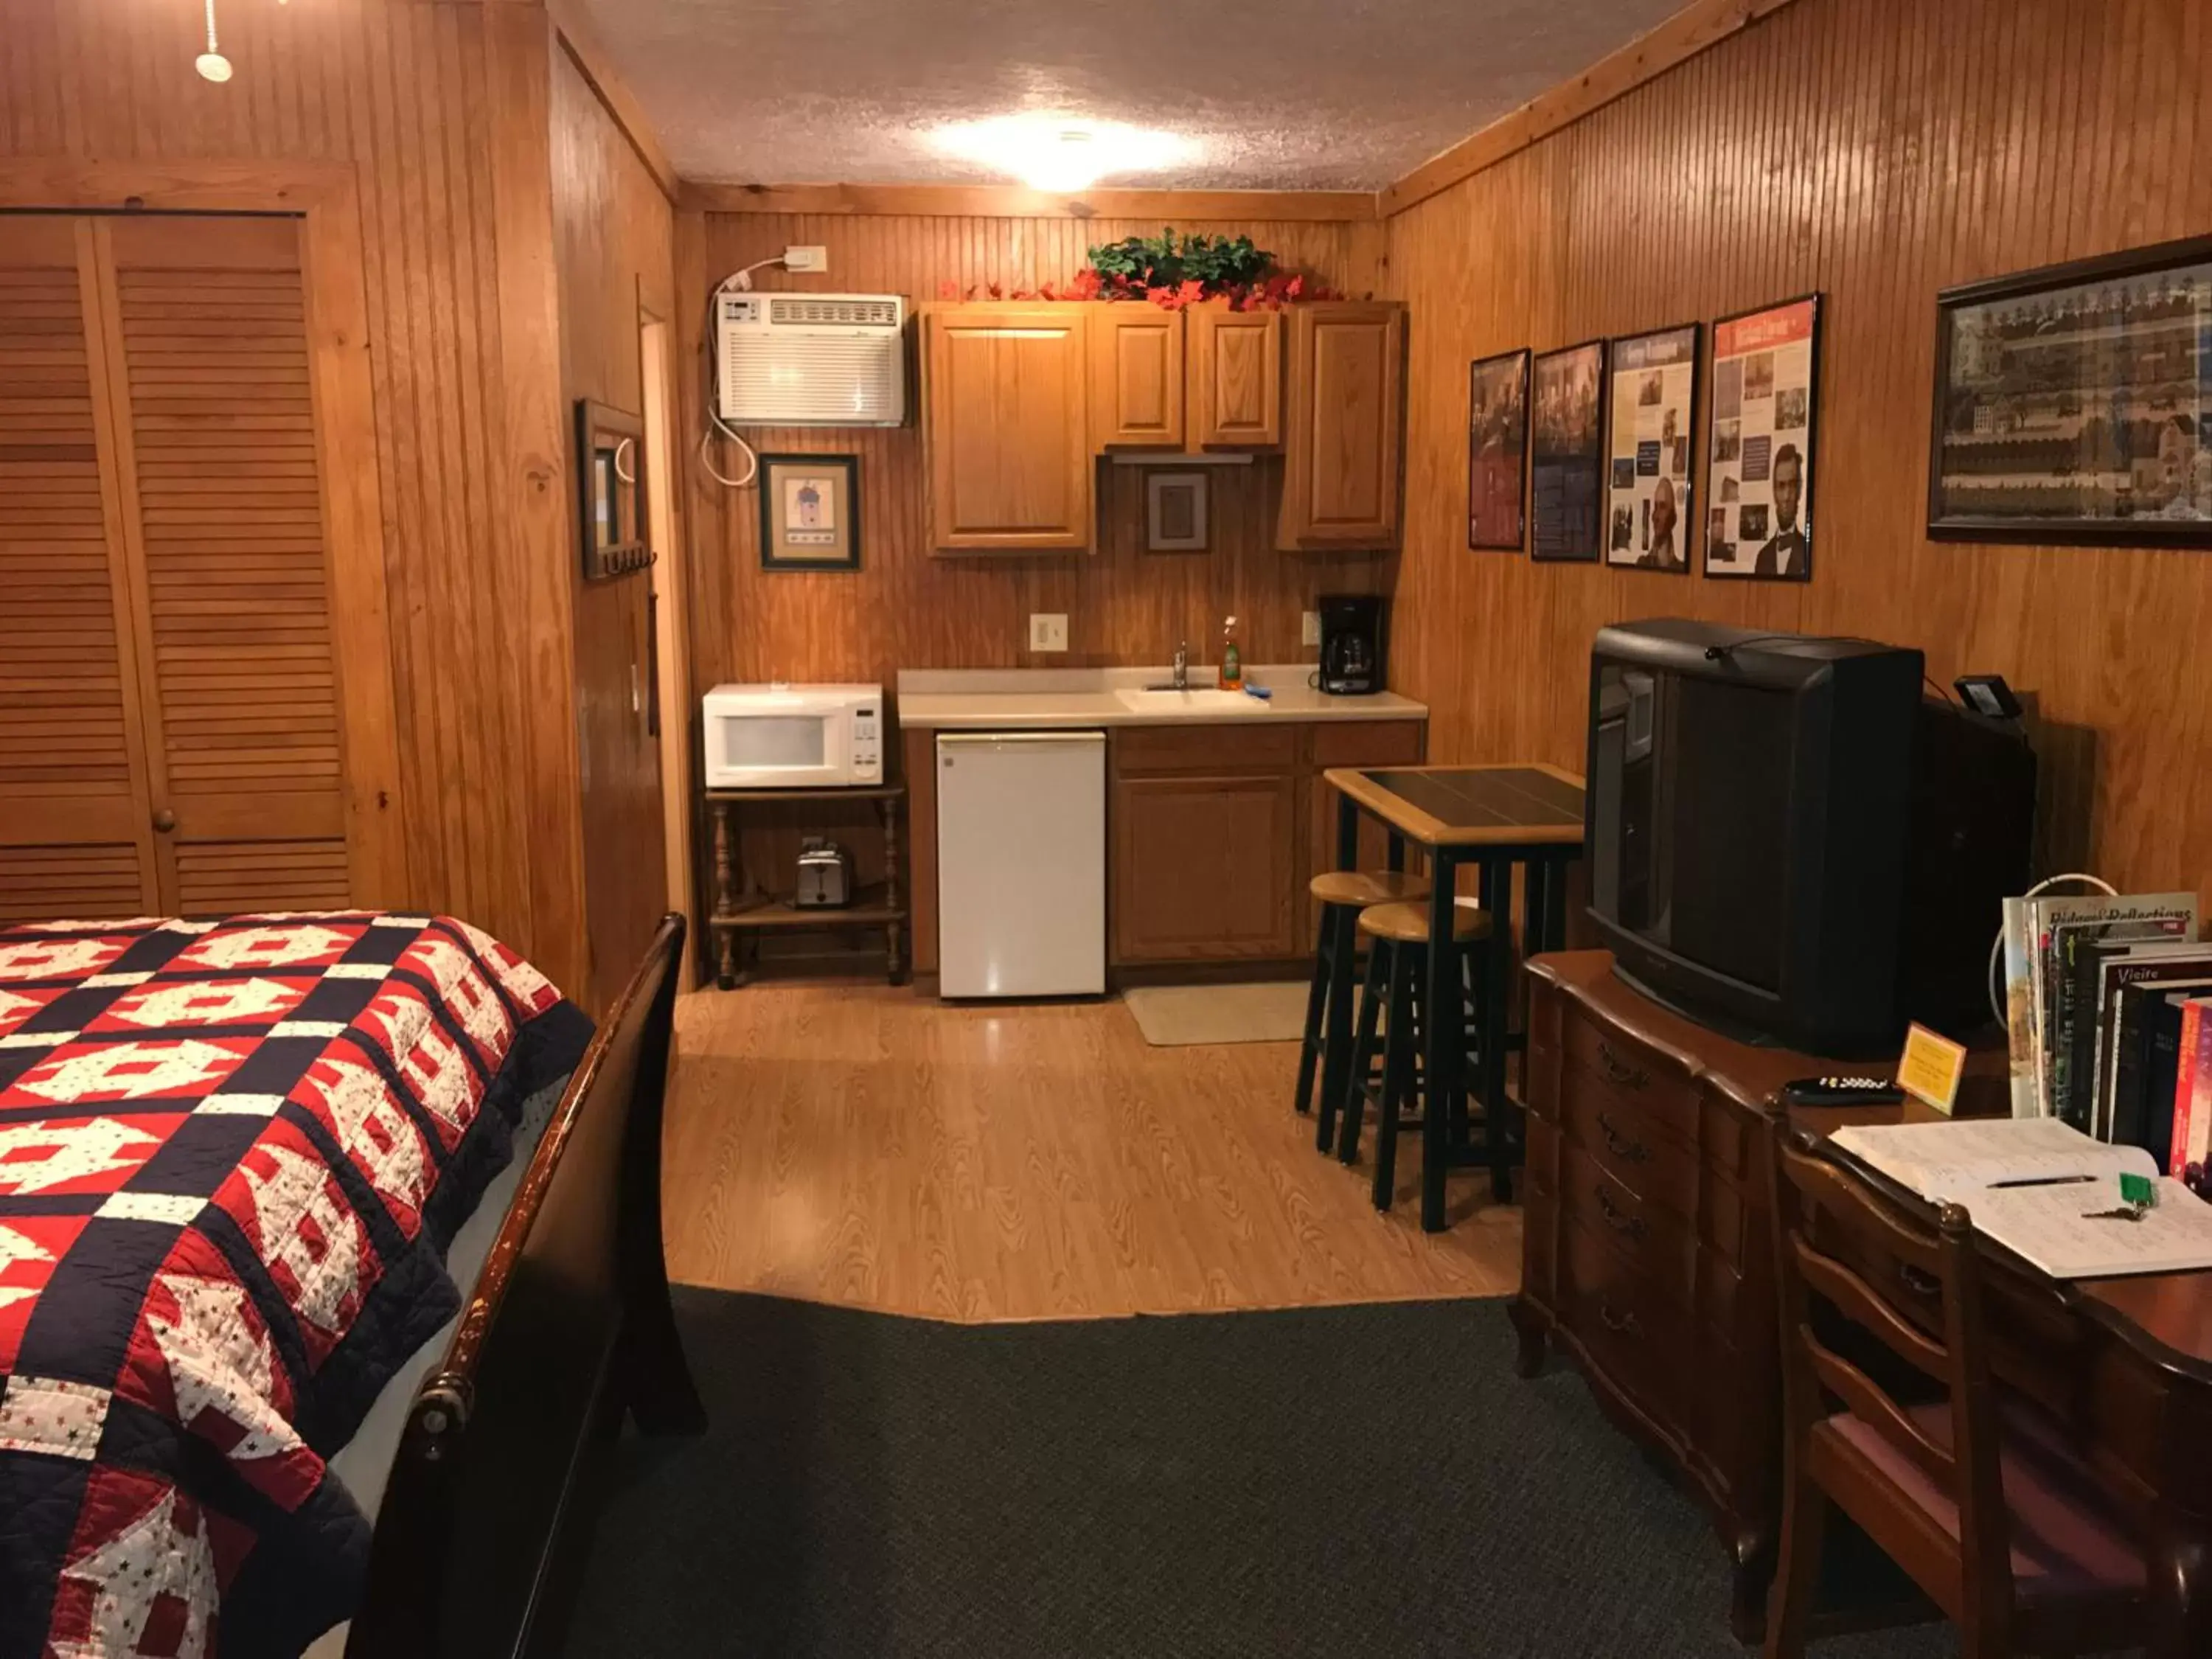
<point x="1865" y="1399"/>
<point x="1859" y="1301"/>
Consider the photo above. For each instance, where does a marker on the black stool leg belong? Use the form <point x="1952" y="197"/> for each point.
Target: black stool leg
<point x="1317" y="1003"/>
<point x="1398" y="1085"/>
<point x="1379" y="953"/>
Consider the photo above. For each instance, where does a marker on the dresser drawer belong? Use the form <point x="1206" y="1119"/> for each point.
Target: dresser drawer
<point x="1654" y="1242"/>
<point x="1650" y="1080"/>
<point x="1637" y="1339"/>
<point x="1634" y="1147"/>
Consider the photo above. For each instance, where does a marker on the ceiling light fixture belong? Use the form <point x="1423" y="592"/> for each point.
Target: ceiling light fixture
<point x="211" y="64"/>
<point x="1062" y="154"/>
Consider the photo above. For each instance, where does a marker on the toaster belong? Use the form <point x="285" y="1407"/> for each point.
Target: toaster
<point x="825" y="875"/>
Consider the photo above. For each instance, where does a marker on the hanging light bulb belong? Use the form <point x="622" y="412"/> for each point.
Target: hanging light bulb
<point x="211" y="64"/>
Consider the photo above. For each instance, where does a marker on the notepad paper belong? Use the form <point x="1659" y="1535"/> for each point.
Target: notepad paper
<point x="2042" y="1189"/>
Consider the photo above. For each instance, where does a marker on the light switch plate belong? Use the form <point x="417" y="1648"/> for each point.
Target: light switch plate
<point x="1310" y="627"/>
<point x="1048" y="630"/>
<point x="816" y="259"/>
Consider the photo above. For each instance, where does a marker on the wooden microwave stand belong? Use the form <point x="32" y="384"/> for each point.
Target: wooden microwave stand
<point x="1646" y="1261"/>
<point x="744" y="911"/>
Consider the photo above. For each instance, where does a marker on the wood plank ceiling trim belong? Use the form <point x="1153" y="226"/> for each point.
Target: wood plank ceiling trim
<point x="337" y="331"/>
<point x="592" y="62"/>
<point x="1696" y="28"/>
<point x="1013" y="202"/>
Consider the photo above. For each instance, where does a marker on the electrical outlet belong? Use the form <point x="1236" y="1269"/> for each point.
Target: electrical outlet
<point x="1048" y="630"/>
<point x="1310" y="627"/>
<point x="815" y="260"/>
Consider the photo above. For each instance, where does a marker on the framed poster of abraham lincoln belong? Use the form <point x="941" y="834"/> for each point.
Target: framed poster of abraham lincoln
<point x="2071" y="402"/>
<point x="1497" y="449"/>
<point x="1765" y="370"/>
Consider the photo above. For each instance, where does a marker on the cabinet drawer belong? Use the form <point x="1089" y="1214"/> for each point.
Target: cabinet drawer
<point x="1366" y="742"/>
<point x="1652" y="1080"/>
<point x="1653" y="1240"/>
<point x="1208" y="749"/>
<point x="1629" y="1144"/>
<point x="1635" y="1337"/>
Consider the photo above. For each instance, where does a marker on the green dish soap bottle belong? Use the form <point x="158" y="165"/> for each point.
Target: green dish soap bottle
<point x="1232" y="660"/>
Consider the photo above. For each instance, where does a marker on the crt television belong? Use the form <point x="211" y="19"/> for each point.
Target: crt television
<point x="1764" y="855"/>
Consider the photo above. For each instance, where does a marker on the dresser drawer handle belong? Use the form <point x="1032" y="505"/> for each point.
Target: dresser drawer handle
<point x="1919" y="1280"/>
<point x="1632" y="1077"/>
<point x="1617" y="1144"/>
<point x="1632" y="1225"/>
<point x="1623" y="1324"/>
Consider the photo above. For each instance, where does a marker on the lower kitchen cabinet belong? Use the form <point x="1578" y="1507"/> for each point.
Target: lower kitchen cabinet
<point x="1205" y="868"/>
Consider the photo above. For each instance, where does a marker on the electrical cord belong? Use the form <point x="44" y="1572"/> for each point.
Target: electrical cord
<point x="738" y="281"/>
<point x="1996" y="945"/>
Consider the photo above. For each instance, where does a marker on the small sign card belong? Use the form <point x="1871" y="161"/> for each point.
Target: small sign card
<point x="1931" y="1067"/>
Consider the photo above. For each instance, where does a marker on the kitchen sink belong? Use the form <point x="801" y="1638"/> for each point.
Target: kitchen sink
<point x="1166" y="700"/>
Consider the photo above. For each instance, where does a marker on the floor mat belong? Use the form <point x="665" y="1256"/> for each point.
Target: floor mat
<point x="1187" y="1015"/>
<point x="1337" y="1483"/>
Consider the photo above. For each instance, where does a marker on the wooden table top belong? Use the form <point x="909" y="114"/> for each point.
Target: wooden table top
<point x="1519" y="804"/>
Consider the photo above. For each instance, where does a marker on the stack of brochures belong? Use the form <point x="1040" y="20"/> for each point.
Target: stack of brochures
<point x="2047" y="1193"/>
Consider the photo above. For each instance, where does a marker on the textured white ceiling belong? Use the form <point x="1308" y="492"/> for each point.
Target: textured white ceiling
<point x="1295" y="94"/>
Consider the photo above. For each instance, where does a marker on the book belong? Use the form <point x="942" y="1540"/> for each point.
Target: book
<point x="2019" y="999"/>
<point x="2192" y="1086"/>
<point x="2117" y="969"/>
<point x="2161" y="1066"/>
<point x="2044" y="1191"/>
<point x="2067" y="928"/>
<point x="2129" y="1112"/>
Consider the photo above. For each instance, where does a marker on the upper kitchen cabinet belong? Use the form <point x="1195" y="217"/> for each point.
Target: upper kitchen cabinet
<point x="1136" y="377"/>
<point x="1341" y="482"/>
<point x="1005" y="427"/>
<point x="1235" y="379"/>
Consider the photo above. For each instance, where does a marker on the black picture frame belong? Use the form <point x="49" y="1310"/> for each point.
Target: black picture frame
<point x="1955" y="412"/>
<point x="1553" y="518"/>
<point x="840" y="551"/>
<point x="1514" y="433"/>
<point x="1683" y="498"/>
<point x="1718" y="504"/>
<point x="610" y="510"/>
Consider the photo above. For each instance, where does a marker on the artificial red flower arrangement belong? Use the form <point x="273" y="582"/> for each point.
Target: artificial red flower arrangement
<point x="1171" y="273"/>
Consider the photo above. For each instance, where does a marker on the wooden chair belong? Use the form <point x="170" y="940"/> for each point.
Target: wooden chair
<point x="1975" y="1496"/>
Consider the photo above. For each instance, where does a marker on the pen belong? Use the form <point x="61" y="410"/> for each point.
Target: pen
<point x="2044" y="1181"/>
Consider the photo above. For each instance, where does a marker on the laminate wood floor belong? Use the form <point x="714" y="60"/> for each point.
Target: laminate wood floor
<point x="860" y="1144"/>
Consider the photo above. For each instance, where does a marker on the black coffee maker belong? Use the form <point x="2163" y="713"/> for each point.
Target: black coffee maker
<point x="1352" y="643"/>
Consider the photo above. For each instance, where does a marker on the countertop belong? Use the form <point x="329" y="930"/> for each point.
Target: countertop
<point x="1061" y="699"/>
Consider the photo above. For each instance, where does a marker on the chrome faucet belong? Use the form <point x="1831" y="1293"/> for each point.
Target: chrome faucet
<point x="1182" y="665"/>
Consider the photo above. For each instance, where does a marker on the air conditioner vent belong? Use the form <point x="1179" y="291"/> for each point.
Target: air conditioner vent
<point x="811" y="308"/>
<point x="811" y="359"/>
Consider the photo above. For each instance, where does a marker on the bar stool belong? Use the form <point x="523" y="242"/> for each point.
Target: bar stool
<point x="1342" y="895"/>
<point x="1397" y="967"/>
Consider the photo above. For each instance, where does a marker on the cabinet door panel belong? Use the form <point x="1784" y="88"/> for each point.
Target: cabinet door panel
<point x="1136" y="378"/>
<point x="1340" y="487"/>
<point x="1006" y="426"/>
<point x="1236" y="378"/>
<point x="74" y="832"/>
<point x="1203" y="868"/>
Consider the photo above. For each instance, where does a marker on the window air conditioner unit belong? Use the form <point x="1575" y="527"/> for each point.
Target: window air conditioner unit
<point x="811" y="359"/>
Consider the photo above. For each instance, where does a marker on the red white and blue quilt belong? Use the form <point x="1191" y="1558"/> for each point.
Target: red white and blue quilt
<point x="232" y="1156"/>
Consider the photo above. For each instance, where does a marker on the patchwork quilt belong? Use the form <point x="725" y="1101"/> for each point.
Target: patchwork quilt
<point x="232" y="1156"/>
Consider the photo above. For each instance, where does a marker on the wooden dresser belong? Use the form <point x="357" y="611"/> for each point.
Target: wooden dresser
<point x="1644" y="1258"/>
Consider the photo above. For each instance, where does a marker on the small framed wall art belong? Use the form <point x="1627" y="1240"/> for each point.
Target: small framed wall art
<point x="1175" y="512"/>
<point x="809" y="509"/>
<point x="1497" y="449"/>
<point x="1653" y="412"/>
<point x="2071" y="402"/>
<point x="1765" y="388"/>
<point x="1566" y="458"/>
<point x="610" y="473"/>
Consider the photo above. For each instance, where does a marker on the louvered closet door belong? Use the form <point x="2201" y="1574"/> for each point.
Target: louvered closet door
<point x="74" y="832"/>
<point x="215" y="427"/>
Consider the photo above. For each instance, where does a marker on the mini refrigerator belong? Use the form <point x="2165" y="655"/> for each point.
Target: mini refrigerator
<point x="1021" y="864"/>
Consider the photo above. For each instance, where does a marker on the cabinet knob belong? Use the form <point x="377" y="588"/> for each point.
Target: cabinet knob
<point x="165" y="820"/>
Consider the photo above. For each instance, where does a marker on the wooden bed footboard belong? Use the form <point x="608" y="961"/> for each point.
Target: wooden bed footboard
<point x="570" y="1327"/>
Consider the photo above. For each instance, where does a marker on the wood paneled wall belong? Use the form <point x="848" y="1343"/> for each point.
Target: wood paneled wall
<point x="441" y="109"/>
<point x="1879" y="150"/>
<point x="907" y="608"/>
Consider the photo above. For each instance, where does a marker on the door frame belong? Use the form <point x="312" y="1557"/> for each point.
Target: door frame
<point x="656" y="354"/>
<point x="325" y="199"/>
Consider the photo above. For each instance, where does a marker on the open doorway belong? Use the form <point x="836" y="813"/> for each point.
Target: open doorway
<point x="671" y="639"/>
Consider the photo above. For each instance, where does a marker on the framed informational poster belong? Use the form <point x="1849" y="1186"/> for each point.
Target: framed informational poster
<point x="1652" y="412"/>
<point x="1566" y="454"/>
<point x="810" y="512"/>
<point x="1765" y="376"/>
<point x="2071" y="402"/>
<point x="1497" y="449"/>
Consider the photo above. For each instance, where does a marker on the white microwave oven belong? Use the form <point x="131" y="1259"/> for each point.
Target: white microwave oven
<point x="794" y="736"/>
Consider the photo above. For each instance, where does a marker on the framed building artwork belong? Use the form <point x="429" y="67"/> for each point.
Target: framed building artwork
<point x="1765" y="382"/>
<point x="2070" y="403"/>
<point x="1651" y="411"/>
<point x="1496" y="450"/>
<point x="1566" y="456"/>
<point x="810" y="510"/>
<point x="1175" y="512"/>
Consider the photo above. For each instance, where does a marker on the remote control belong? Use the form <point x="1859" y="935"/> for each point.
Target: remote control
<point x="1842" y="1091"/>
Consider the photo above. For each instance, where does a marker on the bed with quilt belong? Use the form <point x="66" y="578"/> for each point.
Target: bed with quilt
<point x="243" y="1164"/>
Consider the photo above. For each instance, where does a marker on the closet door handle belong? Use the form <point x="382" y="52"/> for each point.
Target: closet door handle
<point x="165" y="820"/>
